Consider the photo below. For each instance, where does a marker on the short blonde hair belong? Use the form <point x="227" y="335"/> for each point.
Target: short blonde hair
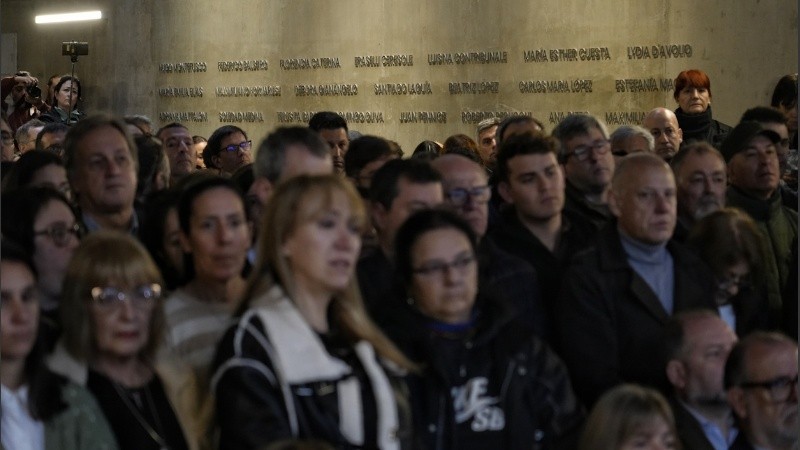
<point x="105" y="257"/>
<point x="294" y="203"/>
<point x="622" y="411"/>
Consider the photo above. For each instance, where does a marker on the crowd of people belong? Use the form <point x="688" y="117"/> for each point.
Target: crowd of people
<point x="523" y="289"/>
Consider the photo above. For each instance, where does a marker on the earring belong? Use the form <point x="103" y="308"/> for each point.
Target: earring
<point x="410" y="301"/>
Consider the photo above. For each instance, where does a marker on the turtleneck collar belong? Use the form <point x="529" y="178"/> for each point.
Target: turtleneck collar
<point x="694" y="125"/>
<point x="643" y="253"/>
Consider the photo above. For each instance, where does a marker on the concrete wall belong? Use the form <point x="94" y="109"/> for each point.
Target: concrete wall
<point x="744" y="46"/>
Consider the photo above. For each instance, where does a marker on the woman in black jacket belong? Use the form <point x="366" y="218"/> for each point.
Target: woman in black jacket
<point x="487" y="382"/>
<point x="693" y="94"/>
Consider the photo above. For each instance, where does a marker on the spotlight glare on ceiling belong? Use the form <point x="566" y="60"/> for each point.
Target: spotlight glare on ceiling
<point x="69" y="17"/>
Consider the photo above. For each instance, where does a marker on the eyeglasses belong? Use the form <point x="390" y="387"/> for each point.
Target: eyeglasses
<point x="460" y="196"/>
<point x="60" y="233"/>
<point x="233" y="148"/>
<point x="739" y="281"/>
<point x="142" y="297"/>
<point x="780" y="389"/>
<point x="440" y="268"/>
<point x="582" y="153"/>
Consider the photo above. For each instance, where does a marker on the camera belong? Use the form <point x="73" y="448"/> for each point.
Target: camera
<point x="74" y="49"/>
<point x="34" y="91"/>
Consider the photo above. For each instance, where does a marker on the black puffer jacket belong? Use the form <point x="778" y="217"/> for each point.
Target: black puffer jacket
<point x="492" y="386"/>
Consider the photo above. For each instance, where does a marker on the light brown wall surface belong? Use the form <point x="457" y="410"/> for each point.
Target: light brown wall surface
<point x="744" y="46"/>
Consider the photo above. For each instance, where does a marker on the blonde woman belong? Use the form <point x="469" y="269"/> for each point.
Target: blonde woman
<point x="113" y="320"/>
<point x="303" y="359"/>
<point x="630" y="417"/>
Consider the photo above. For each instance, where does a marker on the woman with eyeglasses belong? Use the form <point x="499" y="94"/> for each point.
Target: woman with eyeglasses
<point x="40" y="410"/>
<point x="113" y="319"/>
<point x="303" y="360"/>
<point x="693" y="95"/>
<point x="730" y="242"/>
<point x="42" y="221"/>
<point x="488" y="382"/>
<point x="228" y="149"/>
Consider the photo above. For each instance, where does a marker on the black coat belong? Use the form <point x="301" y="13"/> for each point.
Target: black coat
<point x="496" y="386"/>
<point x="610" y="322"/>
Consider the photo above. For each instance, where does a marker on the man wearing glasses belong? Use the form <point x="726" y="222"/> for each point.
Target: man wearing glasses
<point x="467" y="192"/>
<point x="588" y="166"/>
<point x="227" y="150"/>
<point x="761" y="379"/>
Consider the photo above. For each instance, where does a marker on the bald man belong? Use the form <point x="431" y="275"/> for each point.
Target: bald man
<point x="618" y="295"/>
<point x="663" y="125"/>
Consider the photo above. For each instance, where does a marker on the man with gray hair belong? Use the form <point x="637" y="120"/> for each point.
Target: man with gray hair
<point x="286" y="153"/>
<point x="663" y="125"/>
<point x="25" y="137"/>
<point x="618" y="295"/>
<point x="588" y="167"/>
<point x="629" y="139"/>
<point x="487" y="144"/>
<point x="761" y="379"/>
<point x="701" y="178"/>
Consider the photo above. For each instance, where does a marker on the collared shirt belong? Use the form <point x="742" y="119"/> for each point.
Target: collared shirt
<point x="92" y="225"/>
<point x="712" y="431"/>
<point x="18" y="430"/>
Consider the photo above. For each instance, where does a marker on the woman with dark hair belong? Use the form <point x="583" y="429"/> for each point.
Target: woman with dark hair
<point x="42" y="221"/>
<point x="730" y="242"/>
<point x="304" y="360"/>
<point x="67" y="94"/>
<point x="113" y="323"/>
<point x="153" y="174"/>
<point x="427" y="150"/>
<point x="488" y="381"/>
<point x="38" y="168"/>
<point x="215" y="237"/>
<point x="40" y="410"/>
<point x="228" y="149"/>
<point x="693" y="94"/>
<point x="161" y="235"/>
<point x="630" y="417"/>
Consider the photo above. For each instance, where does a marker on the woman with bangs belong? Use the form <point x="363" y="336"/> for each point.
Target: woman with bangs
<point x="304" y="361"/>
<point x="630" y="417"/>
<point x="113" y="321"/>
<point x="693" y="94"/>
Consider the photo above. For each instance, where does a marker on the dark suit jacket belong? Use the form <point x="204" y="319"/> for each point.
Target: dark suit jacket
<point x="610" y="323"/>
<point x="741" y="443"/>
<point x="689" y="430"/>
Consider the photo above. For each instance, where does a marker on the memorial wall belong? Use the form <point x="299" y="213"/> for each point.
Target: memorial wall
<point x="408" y="70"/>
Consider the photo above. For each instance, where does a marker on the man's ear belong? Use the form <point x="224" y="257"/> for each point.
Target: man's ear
<point x="736" y="401"/>
<point x="505" y="192"/>
<point x="676" y="373"/>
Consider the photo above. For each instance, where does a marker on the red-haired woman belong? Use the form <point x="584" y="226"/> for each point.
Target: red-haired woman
<point x="693" y="94"/>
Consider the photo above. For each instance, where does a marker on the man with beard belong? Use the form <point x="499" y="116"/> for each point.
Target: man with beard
<point x="663" y="125"/>
<point x="701" y="181"/>
<point x="697" y="345"/>
<point x="761" y="378"/>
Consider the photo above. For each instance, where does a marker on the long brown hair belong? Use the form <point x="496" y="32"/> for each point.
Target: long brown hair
<point x="294" y="203"/>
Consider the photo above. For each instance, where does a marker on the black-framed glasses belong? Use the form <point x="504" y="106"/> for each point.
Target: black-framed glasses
<point x="440" y="268"/>
<point x="460" y="196"/>
<point x="60" y="233"/>
<point x="780" y="389"/>
<point x="141" y="297"/>
<point x="582" y="152"/>
<point x="233" y="148"/>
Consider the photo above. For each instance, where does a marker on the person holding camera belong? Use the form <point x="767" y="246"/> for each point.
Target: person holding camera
<point x="67" y="92"/>
<point x="23" y="99"/>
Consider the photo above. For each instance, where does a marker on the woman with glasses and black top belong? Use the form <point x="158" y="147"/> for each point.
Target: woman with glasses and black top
<point x="487" y="381"/>
<point x="113" y="319"/>
<point x="41" y="220"/>
<point x="227" y="150"/>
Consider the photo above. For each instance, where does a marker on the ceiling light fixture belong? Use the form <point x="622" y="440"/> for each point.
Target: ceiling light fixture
<point x="69" y="17"/>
